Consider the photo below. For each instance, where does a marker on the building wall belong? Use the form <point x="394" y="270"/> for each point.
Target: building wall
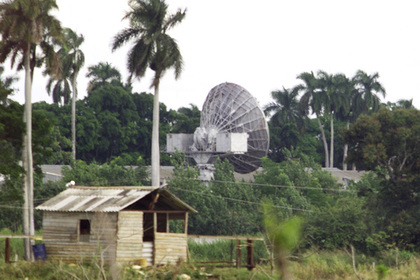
<point x="169" y="247"/>
<point x="114" y="237"/>
<point x="130" y="236"/>
<point x="61" y="236"/>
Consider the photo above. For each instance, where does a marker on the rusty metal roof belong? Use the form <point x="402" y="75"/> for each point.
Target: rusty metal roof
<point x="104" y="199"/>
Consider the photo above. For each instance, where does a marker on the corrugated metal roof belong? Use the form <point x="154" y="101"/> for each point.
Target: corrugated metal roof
<point x="102" y="199"/>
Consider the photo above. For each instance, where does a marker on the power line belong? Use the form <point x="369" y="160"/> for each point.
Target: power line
<point x="240" y="200"/>
<point x="282" y="186"/>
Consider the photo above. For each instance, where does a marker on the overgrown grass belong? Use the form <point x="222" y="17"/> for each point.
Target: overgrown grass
<point x="324" y="266"/>
<point x="224" y="250"/>
<point x="309" y="265"/>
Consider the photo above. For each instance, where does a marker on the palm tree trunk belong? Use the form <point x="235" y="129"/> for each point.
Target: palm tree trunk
<point x="73" y="118"/>
<point x="155" y="139"/>
<point x="28" y="189"/>
<point x="324" y="141"/>
<point x="332" y="140"/>
<point x="346" y="149"/>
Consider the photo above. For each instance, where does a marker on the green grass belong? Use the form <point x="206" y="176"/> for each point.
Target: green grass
<point x="224" y="250"/>
<point x="16" y="244"/>
<point x="309" y="265"/>
<point x="316" y="267"/>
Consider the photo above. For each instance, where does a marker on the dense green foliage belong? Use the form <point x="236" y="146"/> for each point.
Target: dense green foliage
<point x="112" y="174"/>
<point x="387" y="142"/>
<point x="112" y="121"/>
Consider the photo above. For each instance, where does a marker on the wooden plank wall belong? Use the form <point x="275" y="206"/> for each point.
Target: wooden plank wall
<point x="60" y="236"/>
<point x="169" y="247"/>
<point x="130" y="236"/>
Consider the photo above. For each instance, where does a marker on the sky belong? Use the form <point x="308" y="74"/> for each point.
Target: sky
<point x="259" y="45"/>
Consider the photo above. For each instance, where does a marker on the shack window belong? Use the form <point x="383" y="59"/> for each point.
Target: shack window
<point x="162" y="221"/>
<point x="177" y="223"/>
<point x="171" y="222"/>
<point x="84" y="231"/>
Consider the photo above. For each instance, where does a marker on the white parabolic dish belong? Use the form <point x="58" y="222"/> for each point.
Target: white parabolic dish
<point x="231" y="108"/>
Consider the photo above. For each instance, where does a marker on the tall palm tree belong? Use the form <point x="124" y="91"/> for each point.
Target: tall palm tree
<point x="348" y="113"/>
<point x="314" y="99"/>
<point x="285" y="108"/>
<point x="337" y="93"/>
<point x="24" y="25"/>
<point x="155" y="49"/>
<point x="101" y="74"/>
<point x="74" y="59"/>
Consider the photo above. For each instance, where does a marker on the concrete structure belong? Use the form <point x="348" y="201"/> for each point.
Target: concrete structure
<point x="345" y="176"/>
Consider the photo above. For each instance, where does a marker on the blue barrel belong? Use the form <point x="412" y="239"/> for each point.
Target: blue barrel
<point x="39" y="252"/>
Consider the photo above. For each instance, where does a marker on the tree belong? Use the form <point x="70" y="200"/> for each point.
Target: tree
<point x="368" y="88"/>
<point x="338" y="90"/>
<point x="387" y="143"/>
<point x="362" y="98"/>
<point x="11" y="130"/>
<point x="24" y="25"/>
<point x="285" y="108"/>
<point x="154" y="48"/>
<point x="314" y="98"/>
<point x="401" y="104"/>
<point x="187" y="119"/>
<point x="73" y="59"/>
<point x="101" y="74"/>
<point x="115" y="110"/>
<point x="287" y="121"/>
<point x="6" y="87"/>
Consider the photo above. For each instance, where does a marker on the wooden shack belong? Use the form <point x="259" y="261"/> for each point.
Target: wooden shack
<point x="115" y="224"/>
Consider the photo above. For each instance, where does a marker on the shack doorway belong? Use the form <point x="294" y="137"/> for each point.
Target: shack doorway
<point x="148" y="228"/>
<point x="148" y="238"/>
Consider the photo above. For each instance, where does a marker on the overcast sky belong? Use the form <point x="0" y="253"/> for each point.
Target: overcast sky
<point x="260" y="45"/>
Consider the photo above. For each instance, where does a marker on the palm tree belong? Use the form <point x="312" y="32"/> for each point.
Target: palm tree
<point x="24" y="25"/>
<point x="365" y="98"/>
<point x="368" y="88"/>
<point x="285" y="108"/>
<point x="154" y="49"/>
<point x="314" y="99"/>
<point x="101" y="74"/>
<point x="405" y="104"/>
<point x="337" y="94"/>
<point x="74" y="59"/>
<point x="59" y="88"/>
<point x="348" y="113"/>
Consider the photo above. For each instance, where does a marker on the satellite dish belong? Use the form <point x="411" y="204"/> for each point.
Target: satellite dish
<point x="229" y="108"/>
<point x="232" y="126"/>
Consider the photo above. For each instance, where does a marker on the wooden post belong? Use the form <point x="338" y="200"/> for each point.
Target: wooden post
<point x="186" y="224"/>
<point x="7" y="251"/>
<point x="167" y="222"/>
<point x="238" y="253"/>
<point x="250" y="257"/>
